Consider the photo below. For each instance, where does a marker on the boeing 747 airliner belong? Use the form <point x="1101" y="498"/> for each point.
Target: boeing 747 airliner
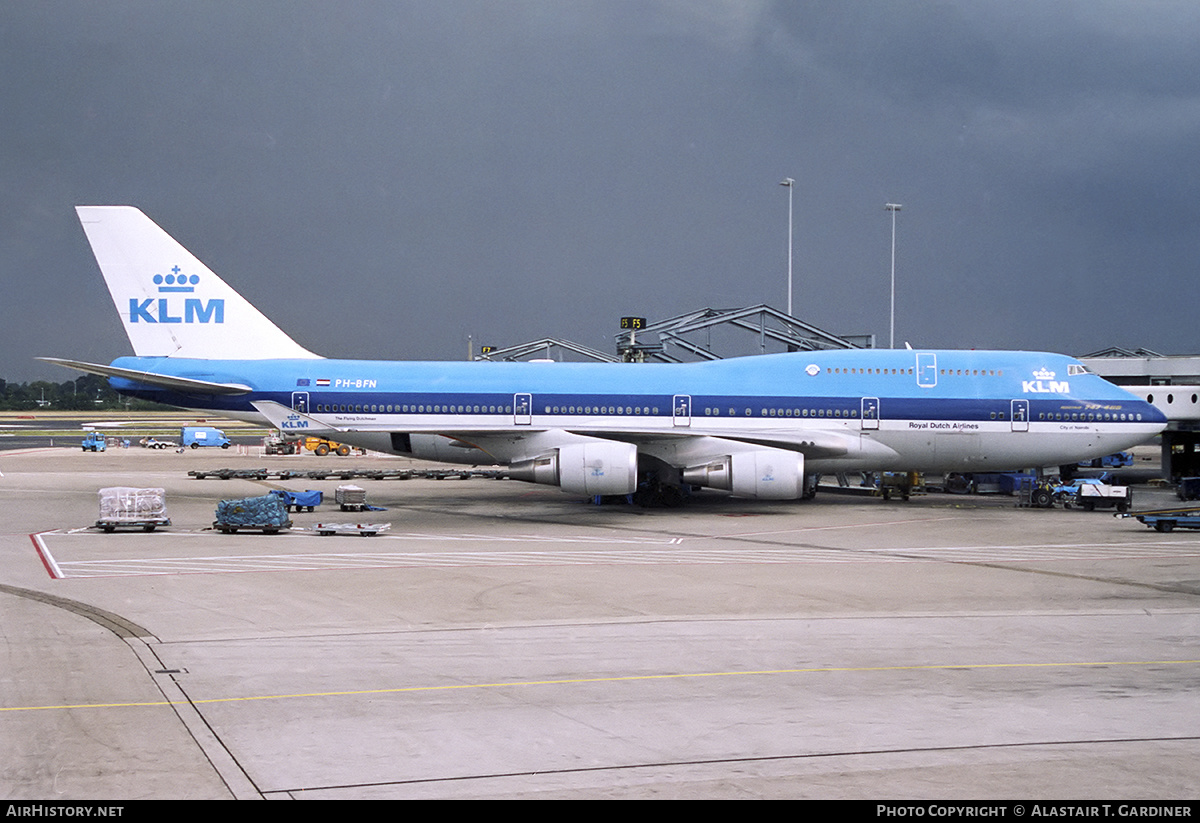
<point x="759" y="427"/>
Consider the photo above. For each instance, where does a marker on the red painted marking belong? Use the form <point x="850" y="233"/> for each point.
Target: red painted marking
<point x="40" y="548"/>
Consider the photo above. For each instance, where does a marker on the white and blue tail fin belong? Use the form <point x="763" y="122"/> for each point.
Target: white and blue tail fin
<point x="170" y="303"/>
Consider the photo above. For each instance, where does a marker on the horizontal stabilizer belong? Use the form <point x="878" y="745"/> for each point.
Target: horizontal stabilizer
<point x="291" y="421"/>
<point x="166" y="381"/>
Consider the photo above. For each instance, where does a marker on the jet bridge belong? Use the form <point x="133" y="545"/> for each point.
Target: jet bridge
<point x="704" y="334"/>
<point x="701" y="334"/>
<point x="548" y="348"/>
<point x="1170" y="383"/>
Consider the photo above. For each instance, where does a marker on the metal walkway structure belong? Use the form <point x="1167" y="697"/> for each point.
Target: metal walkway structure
<point x="547" y="348"/>
<point x="770" y="325"/>
<point x="689" y="337"/>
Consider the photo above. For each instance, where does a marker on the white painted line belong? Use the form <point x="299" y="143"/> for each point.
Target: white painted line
<point x="592" y="557"/>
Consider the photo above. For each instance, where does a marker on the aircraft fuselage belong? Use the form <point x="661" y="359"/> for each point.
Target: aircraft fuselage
<point x="845" y="410"/>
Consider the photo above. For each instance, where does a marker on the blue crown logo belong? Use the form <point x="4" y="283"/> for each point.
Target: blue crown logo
<point x="176" y="282"/>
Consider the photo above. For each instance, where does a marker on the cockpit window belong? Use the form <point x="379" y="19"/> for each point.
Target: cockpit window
<point x="1077" y="368"/>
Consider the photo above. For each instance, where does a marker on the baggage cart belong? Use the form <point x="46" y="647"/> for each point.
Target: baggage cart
<point x="365" y="529"/>
<point x="125" y="507"/>
<point x="1098" y="496"/>
<point x="351" y="498"/>
<point x="1166" y="520"/>
<point x="295" y="501"/>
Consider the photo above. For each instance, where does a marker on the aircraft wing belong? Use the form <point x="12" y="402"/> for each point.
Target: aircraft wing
<point x="185" y="384"/>
<point x="678" y="447"/>
<point x="812" y="444"/>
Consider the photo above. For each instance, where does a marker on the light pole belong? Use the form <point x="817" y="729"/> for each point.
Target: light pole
<point x="893" y="208"/>
<point x="791" y="185"/>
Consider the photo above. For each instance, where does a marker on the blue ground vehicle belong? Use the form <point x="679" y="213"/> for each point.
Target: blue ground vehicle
<point x="1087" y="492"/>
<point x="1119" y="460"/>
<point x="309" y="499"/>
<point x="1166" y="520"/>
<point x="94" y="442"/>
<point x="197" y="436"/>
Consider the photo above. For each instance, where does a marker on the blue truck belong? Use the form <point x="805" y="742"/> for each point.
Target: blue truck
<point x="196" y="436"/>
<point x="94" y="442"/>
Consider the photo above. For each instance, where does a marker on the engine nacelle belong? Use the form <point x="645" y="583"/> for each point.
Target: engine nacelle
<point x="583" y="468"/>
<point x="766" y="474"/>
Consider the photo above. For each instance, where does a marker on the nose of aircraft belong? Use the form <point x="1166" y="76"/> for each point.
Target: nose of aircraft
<point x="1149" y="413"/>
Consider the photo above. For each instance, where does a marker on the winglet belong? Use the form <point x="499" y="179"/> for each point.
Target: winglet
<point x="170" y="303"/>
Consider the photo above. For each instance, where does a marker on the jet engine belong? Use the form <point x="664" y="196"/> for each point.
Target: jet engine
<point x="766" y="474"/>
<point x="594" y="468"/>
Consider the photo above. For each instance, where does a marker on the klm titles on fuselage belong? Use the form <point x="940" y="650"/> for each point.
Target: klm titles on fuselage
<point x="1043" y="382"/>
<point x="168" y="310"/>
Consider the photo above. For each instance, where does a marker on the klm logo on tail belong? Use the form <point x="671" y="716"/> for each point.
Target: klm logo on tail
<point x="169" y="310"/>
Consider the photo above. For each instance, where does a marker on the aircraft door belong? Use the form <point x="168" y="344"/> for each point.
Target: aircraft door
<point x="681" y="410"/>
<point x="926" y="369"/>
<point x="522" y="409"/>
<point x="870" y="413"/>
<point x="300" y="401"/>
<point x="1020" y="415"/>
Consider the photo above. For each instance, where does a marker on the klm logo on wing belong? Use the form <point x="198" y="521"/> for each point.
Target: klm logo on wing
<point x="294" y="421"/>
<point x="172" y="309"/>
<point x="1043" y="382"/>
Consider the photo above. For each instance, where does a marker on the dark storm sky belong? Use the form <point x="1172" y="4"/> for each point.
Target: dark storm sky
<point x="384" y="179"/>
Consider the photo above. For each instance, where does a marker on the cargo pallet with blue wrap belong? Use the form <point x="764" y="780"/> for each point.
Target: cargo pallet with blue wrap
<point x="267" y="514"/>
